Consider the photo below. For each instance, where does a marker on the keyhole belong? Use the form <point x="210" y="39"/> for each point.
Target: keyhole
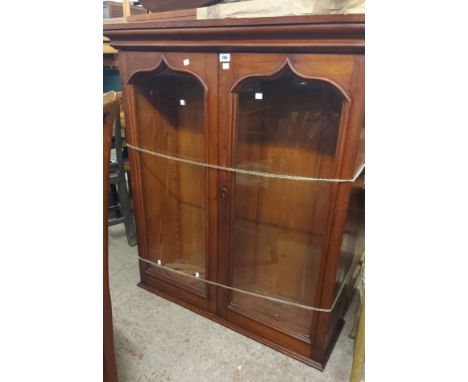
<point x="224" y="192"/>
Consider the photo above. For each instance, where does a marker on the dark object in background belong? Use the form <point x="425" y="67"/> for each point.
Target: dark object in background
<point x="112" y="9"/>
<point x="171" y="5"/>
<point x="118" y="183"/>
<point x="111" y="112"/>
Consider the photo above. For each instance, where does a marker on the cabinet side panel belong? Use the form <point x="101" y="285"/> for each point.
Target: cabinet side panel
<point x="339" y="259"/>
<point x="352" y="249"/>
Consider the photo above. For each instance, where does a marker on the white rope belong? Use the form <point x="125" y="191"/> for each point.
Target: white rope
<point x="240" y="171"/>
<point x="274" y="299"/>
<point x="269" y="175"/>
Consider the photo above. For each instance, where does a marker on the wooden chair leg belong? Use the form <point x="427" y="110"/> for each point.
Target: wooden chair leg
<point x="124" y="199"/>
<point x="127" y="212"/>
<point x="129" y="179"/>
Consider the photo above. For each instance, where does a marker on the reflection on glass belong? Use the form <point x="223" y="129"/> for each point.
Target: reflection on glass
<point x="171" y="112"/>
<point x="285" y="125"/>
<point x="171" y="121"/>
<point x="279" y="226"/>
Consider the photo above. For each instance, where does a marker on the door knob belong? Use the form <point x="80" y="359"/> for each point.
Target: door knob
<point x="224" y="192"/>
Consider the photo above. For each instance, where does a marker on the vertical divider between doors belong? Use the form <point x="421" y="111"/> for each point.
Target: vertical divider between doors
<point x="224" y="154"/>
<point x="212" y="176"/>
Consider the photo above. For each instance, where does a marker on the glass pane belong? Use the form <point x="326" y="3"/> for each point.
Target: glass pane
<point x="288" y="125"/>
<point x="278" y="229"/>
<point x="171" y="113"/>
<point x="170" y="120"/>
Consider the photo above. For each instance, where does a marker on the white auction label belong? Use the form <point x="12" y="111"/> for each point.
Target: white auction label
<point x="224" y="57"/>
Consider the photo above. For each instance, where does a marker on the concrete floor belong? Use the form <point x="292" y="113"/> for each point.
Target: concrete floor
<point x="157" y="340"/>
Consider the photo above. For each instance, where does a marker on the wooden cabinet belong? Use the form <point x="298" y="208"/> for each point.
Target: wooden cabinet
<point x="244" y="137"/>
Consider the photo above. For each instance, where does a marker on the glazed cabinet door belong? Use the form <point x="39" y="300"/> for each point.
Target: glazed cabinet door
<point x="284" y="119"/>
<point x="171" y="105"/>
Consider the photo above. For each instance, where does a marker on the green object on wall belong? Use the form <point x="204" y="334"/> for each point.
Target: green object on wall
<point x="111" y="80"/>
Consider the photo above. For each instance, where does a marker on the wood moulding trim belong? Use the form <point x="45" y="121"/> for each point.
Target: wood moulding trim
<point x="160" y="64"/>
<point x="240" y="310"/>
<point x="247" y="333"/>
<point x="331" y="36"/>
<point x="152" y="21"/>
<point x="162" y="277"/>
<point x="288" y="64"/>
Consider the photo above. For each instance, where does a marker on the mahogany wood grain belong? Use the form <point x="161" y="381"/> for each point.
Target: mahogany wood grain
<point x="330" y="20"/>
<point x="318" y="33"/>
<point x="179" y="200"/>
<point x="290" y="208"/>
<point x="283" y="238"/>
